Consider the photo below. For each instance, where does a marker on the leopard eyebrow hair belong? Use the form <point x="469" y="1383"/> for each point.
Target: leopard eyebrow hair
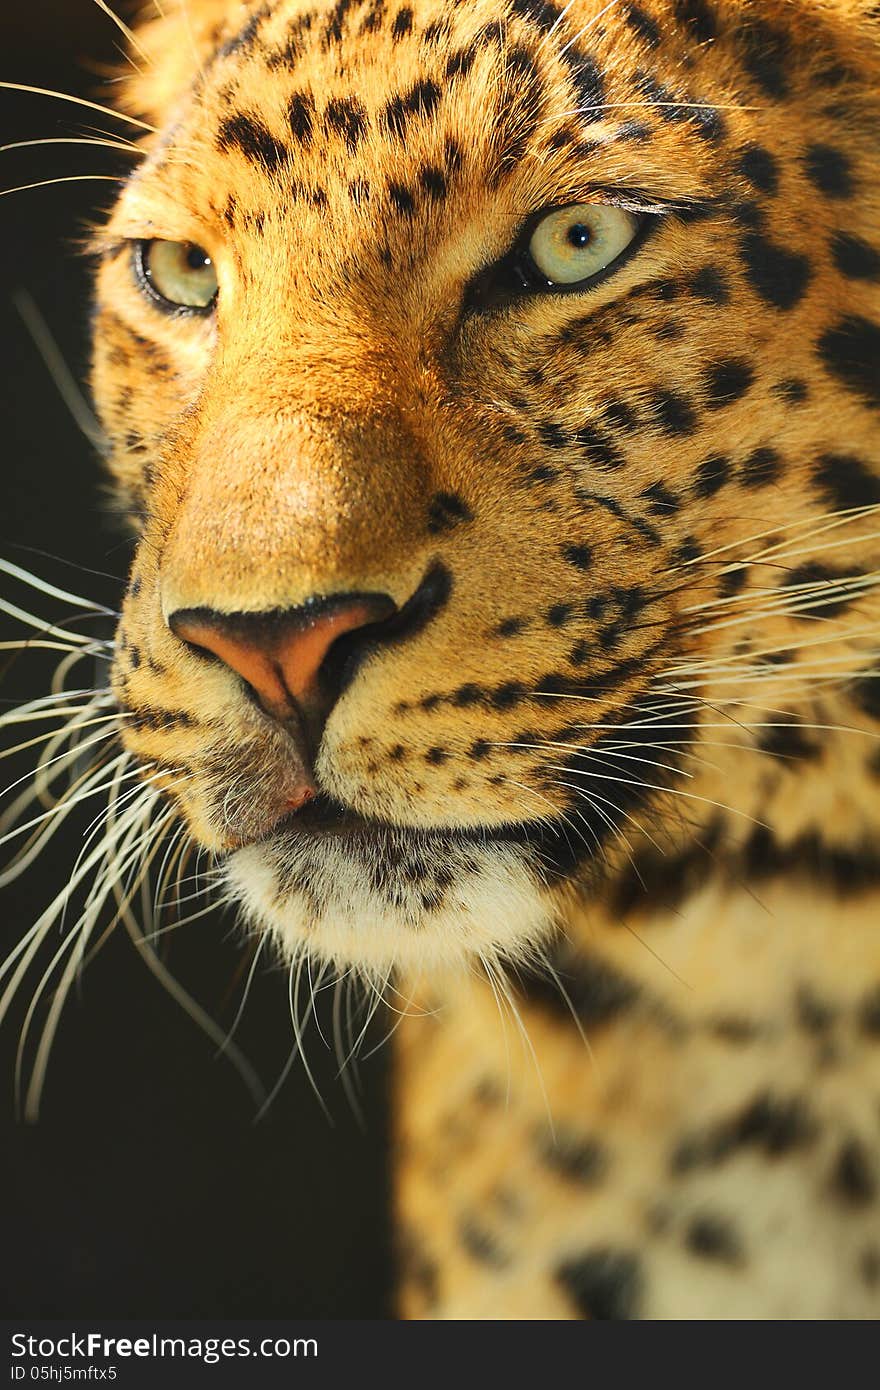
<point x="633" y="199"/>
<point x="103" y="246"/>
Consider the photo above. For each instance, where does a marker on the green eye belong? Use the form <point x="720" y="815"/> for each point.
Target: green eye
<point x="177" y="273"/>
<point x="574" y="243"/>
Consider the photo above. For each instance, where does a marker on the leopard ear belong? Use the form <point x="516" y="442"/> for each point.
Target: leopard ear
<point x="170" y="49"/>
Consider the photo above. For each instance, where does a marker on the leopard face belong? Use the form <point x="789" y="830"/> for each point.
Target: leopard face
<point x="449" y="554"/>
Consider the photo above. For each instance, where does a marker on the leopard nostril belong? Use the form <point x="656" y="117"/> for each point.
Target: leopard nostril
<point x="282" y="655"/>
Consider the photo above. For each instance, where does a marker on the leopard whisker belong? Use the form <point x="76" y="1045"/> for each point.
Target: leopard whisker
<point x="251" y="975"/>
<point x="125" y="146"/>
<point x="64" y="178"/>
<point x="123" y="28"/>
<point x="671" y="791"/>
<point x="79" y="101"/>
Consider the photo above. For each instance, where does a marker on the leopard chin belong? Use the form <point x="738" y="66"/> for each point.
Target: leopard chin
<point x="380" y="897"/>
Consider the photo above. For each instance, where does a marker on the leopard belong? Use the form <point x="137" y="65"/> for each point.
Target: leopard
<point x="491" y="388"/>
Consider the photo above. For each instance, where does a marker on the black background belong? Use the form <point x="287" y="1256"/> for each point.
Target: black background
<point x="146" y="1189"/>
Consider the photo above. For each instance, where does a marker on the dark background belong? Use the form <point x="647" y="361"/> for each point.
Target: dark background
<point x="146" y="1189"/>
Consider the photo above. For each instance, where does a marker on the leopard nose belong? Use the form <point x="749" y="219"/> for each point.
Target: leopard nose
<point x="294" y="660"/>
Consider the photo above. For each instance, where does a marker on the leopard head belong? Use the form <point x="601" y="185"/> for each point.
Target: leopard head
<point x="493" y="389"/>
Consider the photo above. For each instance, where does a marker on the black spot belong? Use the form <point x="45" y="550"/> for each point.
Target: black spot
<point x="734" y="1029"/>
<point x="762" y="467"/>
<point x="851" y="352"/>
<point x="551" y="434"/>
<point x="537" y="12"/>
<point x="661" y="501"/>
<point x="467" y="695"/>
<point x="829" y="170"/>
<point x="869" y="1013"/>
<point x="604" y="1284"/>
<point x="543" y="474"/>
<point x="825" y="595"/>
<point x="814" y="1015"/>
<point x="711" y="475"/>
<point x="713" y="1238"/>
<point x="710" y="285"/>
<point x="865" y="690"/>
<point x="348" y="117"/>
<point x="401" y="198"/>
<point x="300" y="115"/>
<point x="599" y="448"/>
<point x="643" y="24"/>
<point x="760" y="168"/>
<point x="747" y="214"/>
<point x="591" y="989"/>
<point x="403" y="23"/>
<point x="633" y="132"/>
<point x="792" y="390"/>
<point x="161" y="719"/>
<point x="772" y="1124"/>
<point x="581" y="556"/>
<point x="788" y="741"/>
<point x="610" y="504"/>
<point x="709" y="122"/>
<point x="336" y="21"/>
<point x="461" y="62"/>
<point x="674" y="412"/>
<point x="559" y="614"/>
<point x="620" y="415"/>
<point x="420" y="100"/>
<point x="669" y="332"/>
<point x="510" y="627"/>
<point x="586" y="78"/>
<point x="698" y="17"/>
<point x="436" y="31"/>
<point x="580" y="1160"/>
<point x="778" y="275"/>
<point x="846" y="481"/>
<point x="479" y="749"/>
<point x="251" y="137"/>
<point x="507" y="695"/>
<point x="845" y="872"/>
<point x="687" y="552"/>
<point x="480" y="1244"/>
<point x="765" y="56"/>
<point x="433" y="181"/>
<point x="436" y="756"/>
<point x="853" y="1178"/>
<point x="732" y="581"/>
<point x="869" y="1266"/>
<point x="855" y="258"/>
<point x="446" y="510"/>
<point x="727" y="380"/>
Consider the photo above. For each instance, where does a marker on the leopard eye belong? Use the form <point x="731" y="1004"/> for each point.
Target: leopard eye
<point x="575" y="243"/>
<point x="178" y="274"/>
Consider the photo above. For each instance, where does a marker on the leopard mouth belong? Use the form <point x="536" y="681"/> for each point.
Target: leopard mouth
<point x="325" y="817"/>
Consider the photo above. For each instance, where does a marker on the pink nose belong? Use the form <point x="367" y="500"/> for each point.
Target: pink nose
<point x="280" y="655"/>
<point x="283" y="658"/>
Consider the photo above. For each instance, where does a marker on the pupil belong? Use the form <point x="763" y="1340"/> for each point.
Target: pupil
<point x="196" y="259"/>
<point x="579" y="236"/>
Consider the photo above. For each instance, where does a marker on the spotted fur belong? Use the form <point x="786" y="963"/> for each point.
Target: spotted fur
<point x="617" y="771"/>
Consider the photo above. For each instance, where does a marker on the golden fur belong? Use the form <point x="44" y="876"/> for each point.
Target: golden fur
<point x="654" y="506"/>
